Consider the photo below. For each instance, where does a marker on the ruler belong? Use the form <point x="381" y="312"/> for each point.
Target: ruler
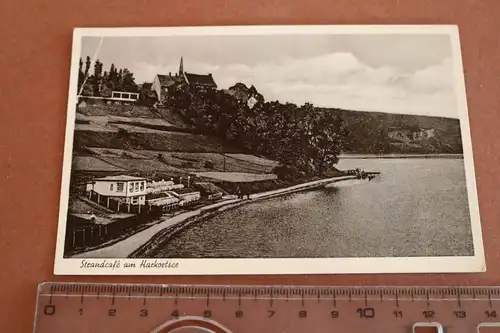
<point x="146" y="308"/>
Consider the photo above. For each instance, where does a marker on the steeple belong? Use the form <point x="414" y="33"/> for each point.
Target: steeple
<point x="181" y="68"/>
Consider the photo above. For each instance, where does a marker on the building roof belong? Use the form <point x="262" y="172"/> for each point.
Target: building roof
<point x="147" y="85"/>
<point x="123" y="178"/>
<point x="201" y="79"/>
<point x="166" y="80"/>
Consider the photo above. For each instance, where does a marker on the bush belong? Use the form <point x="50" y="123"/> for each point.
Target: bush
<point x="285" y="172"/>
<point x="209" y="165"/>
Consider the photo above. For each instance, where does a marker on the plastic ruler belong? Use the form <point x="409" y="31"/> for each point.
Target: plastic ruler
<point x="145" y="308"/>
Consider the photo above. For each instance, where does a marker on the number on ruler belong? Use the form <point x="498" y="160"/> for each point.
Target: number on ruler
<point x="366" y="312"/>
<point x="207" y="313"/>
<point x="491" y="314"/>
<point x="144" y="313"/>
<point x="49" y="310"/>
<point x="335" y="314"/>
<point x="428" y="314"/>
<point x="112" y="312"/>
<point x="80" y="311"/>
<point x="303" y="314"/>
<point x="398" y="314"/>
<point x="270" y="313"/>
<point x="460" y="314"/>
<point x="175" y="314"/>
<point x="239" y="314"/>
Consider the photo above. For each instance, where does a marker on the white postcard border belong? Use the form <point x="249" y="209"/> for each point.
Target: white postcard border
<point x="71" y="266"/>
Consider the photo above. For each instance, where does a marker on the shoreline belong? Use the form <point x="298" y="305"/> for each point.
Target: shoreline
<point x="144" y="242"/>
<point x="152" y="245"/>
<point x="395" y="156"/>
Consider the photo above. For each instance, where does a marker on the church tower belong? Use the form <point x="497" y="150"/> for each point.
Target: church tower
<point x="181" y="68"/>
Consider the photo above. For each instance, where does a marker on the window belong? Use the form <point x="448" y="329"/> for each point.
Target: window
<point x="137" y="186"/>
<point x="131" y="187"/>
<point x="116" y="95"/>
<point x="111" y="187"/>
<point x="142" y="186"/>
<point x="119" y="187"/>
<point x="125" y="95"/>
<point x="134" y="201"/>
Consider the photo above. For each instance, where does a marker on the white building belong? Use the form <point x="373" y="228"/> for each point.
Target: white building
<point x="124" y="96"/>
<point x="125" y="189"/>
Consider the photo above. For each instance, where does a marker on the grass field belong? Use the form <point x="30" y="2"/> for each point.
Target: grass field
<point x="236" y="177"/>
<point x="141" y="165"/>
<point x="135" y="129"/>
<point x="146" y="121"/>
<point x="254" y="159"/>
<point x="108" y="121"/>
<point x="161" y="141"/>
<point x="94" y="128"/>
<point x="138" y="139"/>
<point x="172" y="117"/>
<point x="108" y="152"/>
<point x="118" y="110"/>
<point x="90" y="163"/>
<point x="189" y="162"/>
<point x="232" y="164"/>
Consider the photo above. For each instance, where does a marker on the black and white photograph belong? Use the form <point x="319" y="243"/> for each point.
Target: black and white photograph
<point x="268" y="150"/>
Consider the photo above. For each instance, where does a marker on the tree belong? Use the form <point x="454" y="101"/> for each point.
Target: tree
<point x="119" y="81"/>
<point x="325" y="135"/>
<point x="87" y="66"/>
<point x="81" y="75"/>
<point x="112" y="81"/>
<point x="127" y="80"/>
<point x="97" y="69"/>
<point x="304" y="140"/>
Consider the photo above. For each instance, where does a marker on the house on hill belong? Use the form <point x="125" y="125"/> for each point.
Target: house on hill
<point x="243" y="94"/>
<point x="408" y="135"/>
<point x="164" y="85"/>
<point x="200" y="81"/>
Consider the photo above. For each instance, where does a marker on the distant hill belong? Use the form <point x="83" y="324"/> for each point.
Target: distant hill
<point x="378" y="132"/>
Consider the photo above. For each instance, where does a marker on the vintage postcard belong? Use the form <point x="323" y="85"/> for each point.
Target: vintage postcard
<point x="268" y="150"/>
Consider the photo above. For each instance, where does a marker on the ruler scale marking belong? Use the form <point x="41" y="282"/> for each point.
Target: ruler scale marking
<point x="460" y="308"/>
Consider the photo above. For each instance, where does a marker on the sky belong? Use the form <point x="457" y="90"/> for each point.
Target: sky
<point x="410" y="74"/>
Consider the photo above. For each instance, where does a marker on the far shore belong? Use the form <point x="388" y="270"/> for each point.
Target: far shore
<point x="374" y="156"/>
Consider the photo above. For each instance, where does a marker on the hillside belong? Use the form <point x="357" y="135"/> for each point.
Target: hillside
<point x="374" y="132"/>
<point x="155" y="143"/>
<point x="149" y="141"/>
<point x="153" y="140"/>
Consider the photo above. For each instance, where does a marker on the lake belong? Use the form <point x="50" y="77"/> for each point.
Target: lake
<point x="416" y="207"/>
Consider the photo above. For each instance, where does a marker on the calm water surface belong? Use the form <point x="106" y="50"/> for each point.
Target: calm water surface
<point x="417" y="207"/>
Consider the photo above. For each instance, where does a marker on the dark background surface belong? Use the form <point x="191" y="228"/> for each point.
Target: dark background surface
<point x="35" y="39"/>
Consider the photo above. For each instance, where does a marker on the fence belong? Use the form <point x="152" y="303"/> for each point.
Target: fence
<point x="81" y="233"/>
